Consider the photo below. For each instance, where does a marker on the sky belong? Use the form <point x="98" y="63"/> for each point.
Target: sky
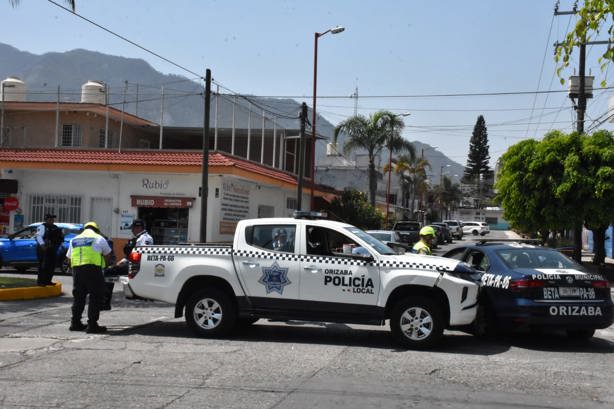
<point x="403" y="56"/>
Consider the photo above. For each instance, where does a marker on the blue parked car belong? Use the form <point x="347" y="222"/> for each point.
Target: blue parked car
<point x="534" y="287"/>
<point x="18" y="250"/>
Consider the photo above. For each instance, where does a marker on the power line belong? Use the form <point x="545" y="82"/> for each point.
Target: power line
<point x="126" y="39"/>
<point x="541" y="70"/>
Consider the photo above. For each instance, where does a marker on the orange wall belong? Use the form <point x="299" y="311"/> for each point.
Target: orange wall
<point x="37" y="129"/>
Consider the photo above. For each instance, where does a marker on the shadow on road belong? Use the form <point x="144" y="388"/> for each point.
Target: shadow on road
<point x="300" y="332"/>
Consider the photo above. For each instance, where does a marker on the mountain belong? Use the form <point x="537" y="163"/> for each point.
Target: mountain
<point x="141" y="86"/>
<point x="183" y="102"/>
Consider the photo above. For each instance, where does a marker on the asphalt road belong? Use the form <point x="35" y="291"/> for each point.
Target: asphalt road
<point x="151" y="360"/>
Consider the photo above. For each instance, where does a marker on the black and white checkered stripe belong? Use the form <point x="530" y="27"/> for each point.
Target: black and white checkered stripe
<point x="281" y="256"/>
<point x="186" y="250"/>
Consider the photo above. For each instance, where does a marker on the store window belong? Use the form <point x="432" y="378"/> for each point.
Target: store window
<point x="166" y="225"/>
<point x="66" y="208"/>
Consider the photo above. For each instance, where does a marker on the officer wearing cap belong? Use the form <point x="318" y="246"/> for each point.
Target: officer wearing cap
<point x="141" y="238"/>
<point x="88" y="254"/>
<point x="423" y="246"/>
<point x="49" y="238"/>
<point x="281" y="242"/>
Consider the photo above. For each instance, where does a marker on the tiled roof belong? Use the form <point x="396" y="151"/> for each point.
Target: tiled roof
<point x="136" y="159"/>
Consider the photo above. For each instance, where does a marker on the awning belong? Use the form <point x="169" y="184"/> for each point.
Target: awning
<point x="162" y="201"/>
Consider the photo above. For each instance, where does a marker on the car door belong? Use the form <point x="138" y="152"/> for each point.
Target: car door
<point x="270" y="276"/>
<point x="21" y="247"/>
<point x="330" y="273"/>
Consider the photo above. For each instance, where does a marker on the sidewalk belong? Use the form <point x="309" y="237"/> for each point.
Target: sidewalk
<point x="30" y="293"/>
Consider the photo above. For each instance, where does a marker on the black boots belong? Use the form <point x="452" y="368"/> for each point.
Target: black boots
<point x="94" y="328"/>
<point x="77" y="326"/>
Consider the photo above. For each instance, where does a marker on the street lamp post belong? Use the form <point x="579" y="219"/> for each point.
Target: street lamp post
<point x="441" y="174"/>
<point x="390" y="166"/>
<point x="334" y="30"/>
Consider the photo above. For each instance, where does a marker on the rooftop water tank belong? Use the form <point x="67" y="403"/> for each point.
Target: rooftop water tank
<point x="93" y="92"/>
<point x="12" y="89"/>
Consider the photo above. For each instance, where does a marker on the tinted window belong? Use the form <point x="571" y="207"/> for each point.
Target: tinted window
<point x="271" y="237"/>
<point x="535" y="258"/>
<point x="456" y="253"/>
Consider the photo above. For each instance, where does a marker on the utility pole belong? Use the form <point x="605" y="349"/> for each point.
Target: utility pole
<point x="301" y="159"/>
<point x="580" y="111"/>
<point x="204" y="191"/>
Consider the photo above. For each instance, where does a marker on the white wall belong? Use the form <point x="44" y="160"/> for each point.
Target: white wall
<point x="121" y="186"/>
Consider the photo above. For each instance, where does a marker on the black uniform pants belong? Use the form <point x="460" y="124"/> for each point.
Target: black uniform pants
<point x="87" y="279"/>
<point x="46" y="264"/>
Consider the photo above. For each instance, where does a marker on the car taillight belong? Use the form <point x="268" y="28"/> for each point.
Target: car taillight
<point x="135" y="262"/>
<point x="601" y="284"/>
<point x="134" y="257"/>
<point x="525" y="283"/>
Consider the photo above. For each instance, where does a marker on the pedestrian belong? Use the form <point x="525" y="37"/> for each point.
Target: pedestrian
<point x="49" y="238"/>
<point x="88" y="253"/>
<point x="140" y="238"/>
<point x="423" y="246"/>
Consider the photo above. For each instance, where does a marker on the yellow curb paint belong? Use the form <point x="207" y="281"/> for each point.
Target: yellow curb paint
<point x="30" y="293"/>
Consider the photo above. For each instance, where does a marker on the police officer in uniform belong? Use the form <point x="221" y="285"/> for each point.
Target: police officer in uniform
<point x="49" y="238"/>
<point x="141" y="238"/>
<point x="88" y="254"/>
<point x="423" y="246"/>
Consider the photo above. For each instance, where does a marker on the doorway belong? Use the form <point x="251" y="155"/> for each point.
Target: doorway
<point x="166" y="225"/>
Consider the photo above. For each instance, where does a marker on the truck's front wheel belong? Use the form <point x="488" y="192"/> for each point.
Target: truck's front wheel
<point x="416" y="322"/>
<point x="210" y="313"/>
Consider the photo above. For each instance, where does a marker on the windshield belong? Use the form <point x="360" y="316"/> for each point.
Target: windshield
<point x="382" y="236"/>
<point x="377" y="245"/>
<point x="536" y="258"/>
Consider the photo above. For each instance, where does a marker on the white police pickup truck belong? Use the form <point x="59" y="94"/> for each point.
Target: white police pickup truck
<point x="306" y="269"/>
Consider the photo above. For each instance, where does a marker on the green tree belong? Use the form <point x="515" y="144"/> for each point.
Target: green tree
<point x="594" y="19"/>
<point x="526" y="188"/>
<point x="71" y="3"/>
<point x="353" y="208"/>
<point x="477" y="169"/>
<point x="560" y="183"/>
<point x="379" y="130"/>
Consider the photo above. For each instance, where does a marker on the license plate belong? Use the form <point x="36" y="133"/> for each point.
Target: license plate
<point x="569" y="291"/>
<point x="555" y="293"/>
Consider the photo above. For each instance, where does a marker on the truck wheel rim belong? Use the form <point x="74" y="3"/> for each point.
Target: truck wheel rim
<point x="416" y="323"/>
<point x="208" y="313"/>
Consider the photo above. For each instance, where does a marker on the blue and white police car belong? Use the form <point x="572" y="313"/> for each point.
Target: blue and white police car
<point x="534" y="287"/>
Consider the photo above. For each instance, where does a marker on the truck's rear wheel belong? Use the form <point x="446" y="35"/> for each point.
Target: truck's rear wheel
<point x="210" y="313"/>
<point x="417" y="323"/>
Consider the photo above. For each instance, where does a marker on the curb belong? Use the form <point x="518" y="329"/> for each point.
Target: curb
<point x="30" y="293"/>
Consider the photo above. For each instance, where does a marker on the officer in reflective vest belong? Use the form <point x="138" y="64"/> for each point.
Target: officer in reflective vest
<point x="423" y="246"/>
<point x="88" y="254"/>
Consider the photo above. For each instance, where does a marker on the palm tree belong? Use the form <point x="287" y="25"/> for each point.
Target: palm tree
<point x="71" y="3"/>
<point x="448" y="195"/>
<point x="379" y="130"/>
<point x="413" y="177"/>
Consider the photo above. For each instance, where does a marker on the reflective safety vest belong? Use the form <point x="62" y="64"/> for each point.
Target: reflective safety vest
<point x="83" y="252"/>
<point x="421" y="245"/>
